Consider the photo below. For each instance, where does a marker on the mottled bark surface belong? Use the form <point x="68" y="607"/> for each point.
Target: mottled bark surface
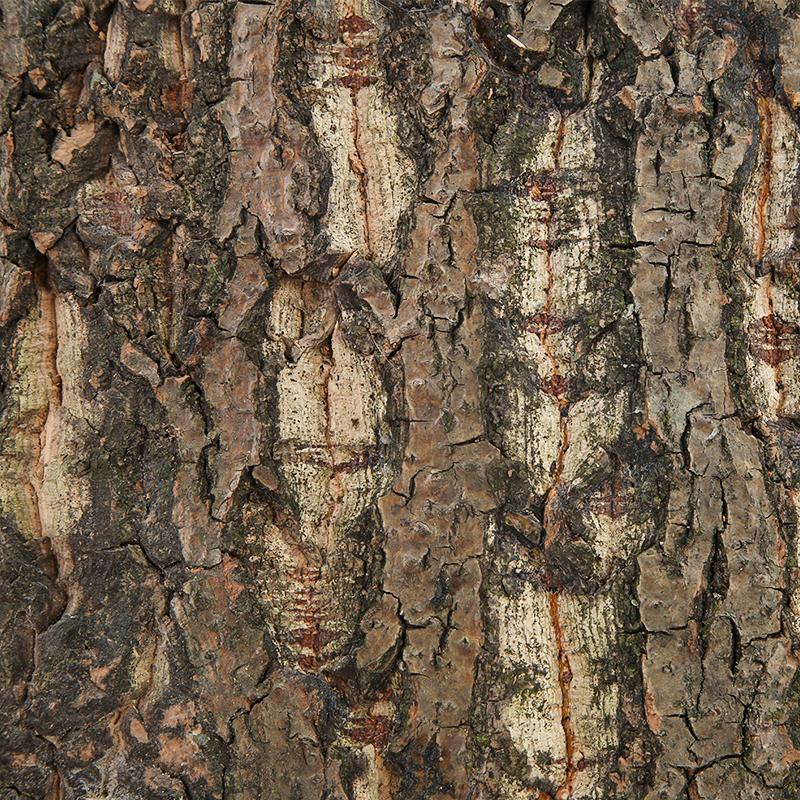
<point x="399" y="400"/>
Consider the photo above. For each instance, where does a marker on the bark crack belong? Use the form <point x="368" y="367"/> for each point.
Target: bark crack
<point x="544" y="333"/>
<point x="564" y="792"/>
<point x="762" y="204"/>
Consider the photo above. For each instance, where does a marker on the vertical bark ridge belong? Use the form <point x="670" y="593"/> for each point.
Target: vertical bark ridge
<point x="708" y="631"/>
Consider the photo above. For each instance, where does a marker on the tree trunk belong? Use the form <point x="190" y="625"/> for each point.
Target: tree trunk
<point x="399" y="400"/>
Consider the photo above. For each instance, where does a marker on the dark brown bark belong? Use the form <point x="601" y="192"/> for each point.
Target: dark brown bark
<point x="399" y="400"/>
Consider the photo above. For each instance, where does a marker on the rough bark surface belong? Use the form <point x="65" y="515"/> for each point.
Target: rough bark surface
<point x="399" y="400"/>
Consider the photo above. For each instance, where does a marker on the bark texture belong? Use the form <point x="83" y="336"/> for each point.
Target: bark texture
<point x="399" y="400"/>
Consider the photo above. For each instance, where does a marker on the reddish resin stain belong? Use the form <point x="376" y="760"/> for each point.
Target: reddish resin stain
<point x="565" y="682"/>
<point x="540" y="186"/>
<point x="355" y="82"/>
<point x="304" y="574"/>
<point x="355" y="24"/>
<point x="175" y="97"/>
<point x="611" y="498"/>
<point x="313" y="663"/>
<point x="313" y="638"/>
<point x="309" y="640"/>
<point x="559" y="385"/>
<point x="357" y="57"/>
<point x="375" y="730"/>
<point x="773" y="340"/>
<point x="354" y="58"/>
<point x="543" y="324"/>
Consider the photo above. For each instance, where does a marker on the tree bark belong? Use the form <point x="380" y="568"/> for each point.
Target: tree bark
<point x="399" y="400"/>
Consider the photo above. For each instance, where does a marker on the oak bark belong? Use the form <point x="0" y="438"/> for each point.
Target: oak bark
<point x="399" y="399"/>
